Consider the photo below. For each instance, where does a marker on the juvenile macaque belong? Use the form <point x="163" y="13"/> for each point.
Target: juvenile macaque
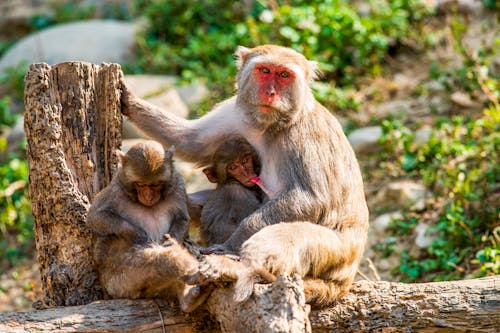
<point x="307" y="166"/>
<point x="139" y="221"/>
<point x="234" y="167"/>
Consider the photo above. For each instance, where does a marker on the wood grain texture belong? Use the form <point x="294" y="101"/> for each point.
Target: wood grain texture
<point x="457" y="306"/>
<point x="73" y="126"/>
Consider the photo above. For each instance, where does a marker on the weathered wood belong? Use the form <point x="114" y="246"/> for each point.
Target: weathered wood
<point x="73" y="126"/>
<point x="280" y="308"/>
<point x="457" y="306"/>
<point x="451" y="306"/>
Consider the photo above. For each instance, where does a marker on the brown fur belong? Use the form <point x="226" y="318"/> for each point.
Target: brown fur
<point x="306" y="162"/>
<point x="231" y="201"/>
<point x="131" y="254"/>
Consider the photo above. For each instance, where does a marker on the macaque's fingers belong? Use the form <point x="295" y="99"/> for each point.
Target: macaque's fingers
<point x="214" y="249"/>
<point x="192" y="279"/>
<point x="168" y="240"/>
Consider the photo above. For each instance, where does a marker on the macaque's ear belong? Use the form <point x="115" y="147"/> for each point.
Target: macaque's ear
<point x="169" y="153"/>
<point x="313" y="70"/>
<point x="210" y="173"/>
<point x="120" y="154"/>
<point x="241" y="55"/>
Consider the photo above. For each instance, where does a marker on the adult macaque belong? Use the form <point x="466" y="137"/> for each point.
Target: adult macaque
<point x="307" y="163"/>
<point x="139" y="221"/>
<point x="234" y="167"/>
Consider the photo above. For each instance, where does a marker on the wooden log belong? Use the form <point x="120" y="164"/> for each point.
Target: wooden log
<point x="453" y="306"/>
<point x="73" y="126"/>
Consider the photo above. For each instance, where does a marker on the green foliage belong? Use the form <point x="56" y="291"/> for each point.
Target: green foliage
<point x="16" y="222"/>
<point x="196" y="39"/>
<point x="70" y="11"/>
<point x="13" y="79"/>
<point x="7" y="117"/>
<point x="459" y="163"/>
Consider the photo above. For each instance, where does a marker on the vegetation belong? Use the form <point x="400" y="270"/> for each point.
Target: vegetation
<point x="458" y="163"/>
<point x="344" y="42"/>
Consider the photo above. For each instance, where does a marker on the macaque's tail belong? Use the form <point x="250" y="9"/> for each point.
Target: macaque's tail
<point x="243" y="287"/>
<point x="322" y="293"/>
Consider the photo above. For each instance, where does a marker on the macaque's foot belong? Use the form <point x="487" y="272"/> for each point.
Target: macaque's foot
<point x="194" y="296"/>
<point x="217" y="269"/>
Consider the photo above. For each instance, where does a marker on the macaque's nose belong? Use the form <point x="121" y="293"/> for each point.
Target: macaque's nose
<point x="271" y="91"/>
<point x="149" y="193"/>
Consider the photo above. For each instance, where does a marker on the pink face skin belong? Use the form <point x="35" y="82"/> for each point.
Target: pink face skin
<point x="272" y="80"/>
<point x="242" y="170"/>
<point x="148" y="194"/>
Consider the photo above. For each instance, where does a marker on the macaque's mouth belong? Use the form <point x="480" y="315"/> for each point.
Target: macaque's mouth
<point x="266" y="109"/>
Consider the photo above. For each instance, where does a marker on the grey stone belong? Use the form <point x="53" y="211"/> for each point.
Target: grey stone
<point x="193" y="94"/>
<point x="403" y="193"/>
<point x="394" y="107"/>
<point x="95" y="41"/>
<point x="365" y="139"/>
<point x="424" y="235"/>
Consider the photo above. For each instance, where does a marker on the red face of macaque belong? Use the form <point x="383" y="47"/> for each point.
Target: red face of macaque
<point x="272" y="80"/>
<point x="148" y="194"/>
<point x="242" y="170"/>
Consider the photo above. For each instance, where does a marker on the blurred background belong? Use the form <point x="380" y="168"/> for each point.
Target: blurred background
<point x="414" y="83"/>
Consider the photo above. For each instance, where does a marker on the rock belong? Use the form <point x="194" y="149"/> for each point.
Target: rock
<point x="145" y="85"/>
<point x="365" y="139"/>
<point x="462" y="99"/>
<point x="94" y="41"/>
<point x="172" y="102"/>
<point x="379" y="226"/>
<point x="423" y="134"/>
<point x="434" y="86"/>
<point x="402" y="194"/>
<point x="424" y="235"/>
<point x="193" y="94"/>
<point x="394" y="107"/>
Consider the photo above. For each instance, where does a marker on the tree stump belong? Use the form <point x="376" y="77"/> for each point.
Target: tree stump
<point x="73" y="126"/>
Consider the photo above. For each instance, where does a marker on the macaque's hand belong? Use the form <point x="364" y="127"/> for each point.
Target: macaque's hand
<point x="168" y="240"/>
<point x="126" y="97"/>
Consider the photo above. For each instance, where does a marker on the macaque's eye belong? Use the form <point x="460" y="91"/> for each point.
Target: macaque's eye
<point x="232" y="166"/>
<point x="246" y="159"/>
<point x="265" y="70"/>
<point x="284" y="74"/>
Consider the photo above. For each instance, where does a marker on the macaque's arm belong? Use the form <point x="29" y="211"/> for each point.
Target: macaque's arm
<point x="194" y="140"/>
<point x="293" y="205"/>
<point x="180" y="226"/>
<point x="106" y="223"/>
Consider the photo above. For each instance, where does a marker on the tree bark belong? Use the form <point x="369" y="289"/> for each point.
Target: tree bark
<point x="73" y="126"/>
<point x="454" y="306"/>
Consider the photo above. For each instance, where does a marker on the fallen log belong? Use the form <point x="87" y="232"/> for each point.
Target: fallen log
<point x="453" y="306"/>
